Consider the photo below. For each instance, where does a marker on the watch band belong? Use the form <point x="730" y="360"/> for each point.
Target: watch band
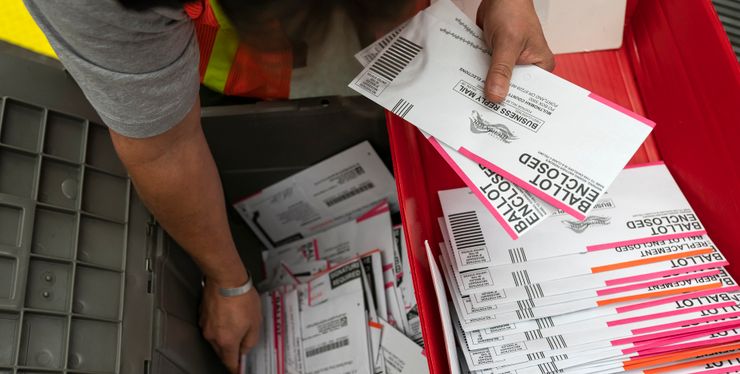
<point x="237" y="291"/>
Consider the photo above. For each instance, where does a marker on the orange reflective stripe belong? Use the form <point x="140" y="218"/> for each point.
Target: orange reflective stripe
<point x="231" y="67"/>
<point x="223" y="51"/>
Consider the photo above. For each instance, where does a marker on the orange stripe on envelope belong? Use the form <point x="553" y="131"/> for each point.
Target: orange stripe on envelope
<point x="375" y="325"/>
<point x="703" y="361"/>
<point x="646" y="295"/>
<point x="650" y="260"/>
<point x="673" y="357"/>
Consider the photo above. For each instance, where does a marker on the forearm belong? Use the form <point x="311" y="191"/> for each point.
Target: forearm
<point x="176" y="177"/>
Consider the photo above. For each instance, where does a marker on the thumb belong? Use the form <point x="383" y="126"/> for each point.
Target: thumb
<point x="506" y="51"/>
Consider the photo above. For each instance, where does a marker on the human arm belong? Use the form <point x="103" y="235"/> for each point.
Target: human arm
<point x="176" y="177"/>
<point x="140" y="72"/>
<point x="513" y="31"/>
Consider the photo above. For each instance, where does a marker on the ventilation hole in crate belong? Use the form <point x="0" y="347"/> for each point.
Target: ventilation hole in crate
<point x="8" y="338"/>
<point x="54" y="233"/>
<point x="97" y="293"/>
<point x="64" y="136"/>
<point x="49" y="285"/>
<point x="7" y="278"/>
<point x="93" y="346"/>
<point x="21" y="125"/>
<point x="42" y="341"/>
<point x="17" y="173"/>
<point x="11" y="223"/>
<point x="59" y="184"/>
<point x="105" y="195"/>
<point x="101" y="242"/>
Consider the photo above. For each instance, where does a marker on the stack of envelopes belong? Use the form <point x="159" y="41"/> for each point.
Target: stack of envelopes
<point x="636" y="285"/>
<point x="338" y="296"/>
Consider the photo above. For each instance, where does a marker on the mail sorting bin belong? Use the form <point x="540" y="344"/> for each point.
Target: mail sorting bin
<point x="88" y="282"/>
<point x="676" y="67"/>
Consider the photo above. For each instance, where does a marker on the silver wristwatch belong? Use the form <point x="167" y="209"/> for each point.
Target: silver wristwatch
<point x="237" y="291"/>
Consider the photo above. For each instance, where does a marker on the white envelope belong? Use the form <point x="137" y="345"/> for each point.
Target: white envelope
<point x="643" y="205"/>
<point x="405" y="289"/>
<point x="605" y="296"/>
<point x="432" y="75"/>
<point x="335" y="336"/>
<point x="336" y="190"/>
<point x="515" y="209"/>
<point x="493" y="315"/>
<point x="402" y="355"/>
<point x="567" y="341"/>
<point x="293" y="341"/>
<point x="444" y="311"/>
<point x="479" y="285"/>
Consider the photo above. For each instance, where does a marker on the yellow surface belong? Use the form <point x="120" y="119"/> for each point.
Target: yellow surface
<point x="17" y="27"/>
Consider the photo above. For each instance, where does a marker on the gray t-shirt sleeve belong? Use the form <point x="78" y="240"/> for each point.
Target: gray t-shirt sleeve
<point x="138" y="69"/>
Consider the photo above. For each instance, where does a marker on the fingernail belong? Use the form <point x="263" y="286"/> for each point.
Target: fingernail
<point x="498" y="92"/>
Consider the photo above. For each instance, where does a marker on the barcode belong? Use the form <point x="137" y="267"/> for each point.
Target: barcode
<point x="525" y="314"/>
<point x="326" y="347"/>
<point x="517" y="255"/>
<point x="533" y="334"/>
<point x="349" y="193"/>
<point x="525" y="304"/>
<point x="388" y="38"/>
<point x="556" y="342"/>
<point x="548" y="368"/>
<point x="536" y="356"/>
<point x="466" y="230"/>
<point x="395" y="58"/>
<point x="559" y="358"/>
<point x="534" y="291"/>
<point x="544" y="323"/>
<point x="521" y="278"/>
<point x="402" y="108"/>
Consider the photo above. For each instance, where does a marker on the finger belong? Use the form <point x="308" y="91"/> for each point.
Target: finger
<point x="506" y="51"/>
<point x="250" y="341"/>
<point x="230" y="357"/>
<point x="541" y="56"/>
<point x="548" y="61"/>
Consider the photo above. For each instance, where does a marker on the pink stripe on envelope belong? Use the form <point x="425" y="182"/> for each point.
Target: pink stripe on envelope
<point x="648" y="304"/>
<point x="637" y="286"/>
<point x="724" y="370"/>
<point x="521" y="183"/>
<point x="625" y="321"/>
<point x="657" y="340"/>
<point x="660" y="331"/>
<point x="642" y="277"/>
<point x="654" y="163"/>
<point x="622" y="109"/>
<point x="675" y="347"/>
<point x="688" y="322"/>
<point x="381" y="207"/>
<point x="598" y="247"/>
<point x="659" y="343"/>
<point x="473" y="188"/>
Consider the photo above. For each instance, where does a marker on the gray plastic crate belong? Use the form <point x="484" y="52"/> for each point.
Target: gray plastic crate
<point x="89" y="283"/>
<point x="63" y="221"/>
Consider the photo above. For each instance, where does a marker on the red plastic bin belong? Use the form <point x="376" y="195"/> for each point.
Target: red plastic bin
<point x="676" y="66"/>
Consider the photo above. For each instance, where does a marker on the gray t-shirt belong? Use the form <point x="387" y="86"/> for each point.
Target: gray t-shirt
<point x="138" y="69"/>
